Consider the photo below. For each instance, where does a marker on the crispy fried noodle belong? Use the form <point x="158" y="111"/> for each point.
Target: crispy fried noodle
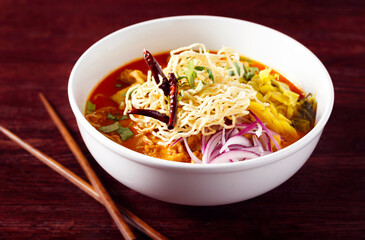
<point x="210" y="98"/>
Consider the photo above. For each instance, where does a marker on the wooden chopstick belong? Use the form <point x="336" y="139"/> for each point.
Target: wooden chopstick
<point x="50" y="162"/>
<point x="143" y="226"/>
<point x="80" y="183"/>
<point x="99" y="188"/>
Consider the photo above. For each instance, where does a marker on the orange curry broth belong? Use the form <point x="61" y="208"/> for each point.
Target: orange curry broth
<point x="101" y="94"/>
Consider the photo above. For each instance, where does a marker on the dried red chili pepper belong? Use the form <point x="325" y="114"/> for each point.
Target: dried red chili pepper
<point x="173" y="101"/>
<point x="150" y="113"/>
<point x="156" y="71"/>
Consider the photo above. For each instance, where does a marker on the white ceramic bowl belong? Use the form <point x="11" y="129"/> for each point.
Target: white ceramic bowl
<point x="194" y="184"/>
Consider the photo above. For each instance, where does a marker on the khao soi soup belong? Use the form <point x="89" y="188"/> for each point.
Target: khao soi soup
<point x="200" y="106"/>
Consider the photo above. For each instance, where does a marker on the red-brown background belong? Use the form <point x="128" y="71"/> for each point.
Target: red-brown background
<point x="41" y="40"/>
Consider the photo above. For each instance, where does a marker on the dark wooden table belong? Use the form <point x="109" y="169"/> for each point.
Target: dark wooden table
<point x="41" y="40"/>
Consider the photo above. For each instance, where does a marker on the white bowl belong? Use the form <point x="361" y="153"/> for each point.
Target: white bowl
<point x="193" y="184"/>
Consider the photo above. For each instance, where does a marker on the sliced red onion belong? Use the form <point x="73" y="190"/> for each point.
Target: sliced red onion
<point x="264" y="139"/>
<point x="273" y="133"/>
<point x="178" y="140"/>
<point x="211" y="145"/>
<point x="231" y="146"/>
<point x="242" y="124"/>
<point x="247" y="128"/>
<point x="223" y="136"/>
<point x="239" y="140"/>
<point x="230" y="133"/>
<point x="235" y="155"/>
<point x="256" y="141"/>
<point x="191" y="154"/>
<point x="203" y="143"/>
<point x="266" y="130"/>
<point x="233" y="132"/>
<point x="257" y="150"/>
<point x="215" y="153"/>
<point x="258" y="132"/>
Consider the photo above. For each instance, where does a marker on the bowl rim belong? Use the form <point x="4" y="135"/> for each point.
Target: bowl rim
<point x="161" y="163"/>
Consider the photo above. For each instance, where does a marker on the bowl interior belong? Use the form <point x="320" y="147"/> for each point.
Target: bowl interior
<point x="260" y="43"/>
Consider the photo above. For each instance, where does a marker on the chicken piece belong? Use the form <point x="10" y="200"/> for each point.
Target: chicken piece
<point x="132" y="77"/>
<point x="194" y="142"/>
<point x="119" y="97"/>
<point x="172" y="153"/>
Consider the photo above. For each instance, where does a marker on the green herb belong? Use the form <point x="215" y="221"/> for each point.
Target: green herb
<point x="245" y="59"/>
<point x="90" y="107"/>
<point x="237" y="68"/>
<point x="249" y="72"/>
<point x="124" y="133"/>
<point x="181" y="94"/>
<point x="125" y="93"/>
<point x="210" y="74"/>
<point x="179" y="77"/>
<point x="110" y="128"/>
<point x="199" y="68"/>
<point x="191" y="74"/>
<point x="118" y="85"/>
<point x="200" y="86"/>
<point x="111" y="117"/>
<point x="182" y="84"/>
<point x="117" y="118"/>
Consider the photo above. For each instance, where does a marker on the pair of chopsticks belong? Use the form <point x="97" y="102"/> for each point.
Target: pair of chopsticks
<point x="96" y="190"/>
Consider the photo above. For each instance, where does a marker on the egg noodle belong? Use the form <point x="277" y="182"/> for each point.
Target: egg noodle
<point x="214" y="96"/>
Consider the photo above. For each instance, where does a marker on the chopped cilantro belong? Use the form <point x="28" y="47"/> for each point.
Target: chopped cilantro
<point x="109" y="128"/>
<point x="118" y="85"/>
<point x="90" y="107"/>
<point x="111" y="117"/>
<point x="124" y="133"/>
<point x="117" y="118"/>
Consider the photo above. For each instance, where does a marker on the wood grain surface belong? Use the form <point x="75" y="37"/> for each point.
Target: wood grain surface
<point x="40" y="42"/>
